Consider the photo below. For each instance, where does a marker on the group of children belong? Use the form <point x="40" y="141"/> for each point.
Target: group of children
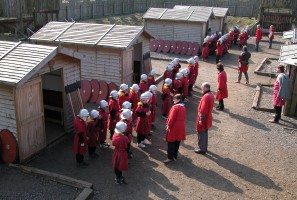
<point x="218" y="44"/>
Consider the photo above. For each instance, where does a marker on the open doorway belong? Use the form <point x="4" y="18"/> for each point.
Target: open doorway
<point x="52" y="87"/>
<point x="137" y="62"/>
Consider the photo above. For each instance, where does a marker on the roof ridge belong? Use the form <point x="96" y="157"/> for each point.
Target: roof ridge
<point x="105" y="34"/>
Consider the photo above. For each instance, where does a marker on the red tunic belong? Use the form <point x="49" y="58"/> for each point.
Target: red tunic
<point x="143" y="87"/>
<point x="259" y="34"/>
<point x="220" y="48"/>
<point x="241" y="39"/>
<point x="104" y="118"/>
<point x="176" y="123"/>
<point x="167" y="74"/>
<point x="196" y="70"/>
<point x="93" y="133"/>
<point x="134" y="98"/>
<point x="151" y="80"/>
<point x="191" y="74"/>
<point x="122" y="98"/>
<point x="142" y="124"/>
<point x="246" y="37"/>
<point x="165" y="100"/>
<point x="154" y="107"/>
<point x="205" y="107"/>
<point x="185" y="82"/>
<point x="129" y="129"/>
<point x="222" y="92"/>
<point x="205" y="50"/>
<point x="120" y="154"/>
<point x="114" y="116"/>
<point x="177" y="84"/>
<point x="80" y="132"/>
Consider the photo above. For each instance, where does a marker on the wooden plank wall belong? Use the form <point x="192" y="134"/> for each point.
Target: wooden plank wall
<point x="7" y="107"/>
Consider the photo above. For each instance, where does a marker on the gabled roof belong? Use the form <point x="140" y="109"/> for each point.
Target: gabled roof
<point x="20" y="61"/>
<point x="288" y="52"/>
<point x="202" y="15"/>
<point x="218" y="11"/>
<point x="103" y="35"/>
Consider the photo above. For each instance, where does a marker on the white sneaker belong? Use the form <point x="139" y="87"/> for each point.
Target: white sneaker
<point x="146" y="141"/>
<point x="141" y="145"/>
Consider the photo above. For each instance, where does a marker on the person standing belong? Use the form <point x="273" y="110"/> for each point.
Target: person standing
<point x="93" y="129"/>
<point x="243" y="61"/>
<point x="80" y="137"/>
<point x="259" y="34"/>
<point x="114" y="112"/>
<point x="166" y="98"/>
<point x="175" y="128"/>
<point x="120" y="154"/>
<point x="204" y="118"/>
<point x="281" y="92"/>
<point x="103" y="111"/>
<point x="123" y="94"/>
<point x="271" y="35"/>
<point x="222" y="90"/>
<point x="191" y="66"/>
<point x="219" y="50"/>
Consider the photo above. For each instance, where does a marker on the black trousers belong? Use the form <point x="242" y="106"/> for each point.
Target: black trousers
<point x="217" y="58"/>
<point x="91" y="150"/>
<point x="278" y="113"/>
<point x="190" y="89"/>
<point x="221" y="104"/>
<point x="79" y="158"/>
<point x="140" y="138"/>
<point x="172" y="149"/>
<point x="118" y="174"/>
<point x="111" y="134"/>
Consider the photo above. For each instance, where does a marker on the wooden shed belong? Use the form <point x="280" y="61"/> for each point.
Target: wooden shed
<point x="215" y="24"/>
<point x="288" y="56"/>
<point x="112" y="53"/>
<point x="178" y="24"/>
<point x="32" y="98"/>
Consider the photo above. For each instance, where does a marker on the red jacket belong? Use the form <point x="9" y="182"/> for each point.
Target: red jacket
<point x="154" y="107"/>
<point x="143" y="87"/>
<point x="120" y="154"/>
<point x="104" y="118"/>
<point x="122" y="98"/>
<point x="142" y="124"/>
<point x="191" y="74"/>
<point x="176" y="123"/>
<point x="93" y="129"/>
<point x="185" y="82"/>
<point x="129" y="129"/>
<point x="241" y="39"/>
<point x="220" y="48"/>
<point x="80" y="137"/>
<point x="151" y="80"/>
<point x="177" y="86"/>
<point x="165" y="100"/>
<point x="205" y="107"/>
<point x="259" y="34"/>
<point x="196" y="70"/>
<point x="205" y="50"/>
<point x="222" y="92"/>
<point x="114" y="116"/>
<point x="167" y="74"/>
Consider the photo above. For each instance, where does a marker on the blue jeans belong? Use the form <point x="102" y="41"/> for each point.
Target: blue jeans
<point x="257" y="46"/>
<point x="270" y="43"/>
<point x="203" y="140"/>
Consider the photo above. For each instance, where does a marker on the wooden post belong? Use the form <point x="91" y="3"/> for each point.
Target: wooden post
<point x="66" y="11"/>
<point x="79" y="11"/>
<point x="92" y="10"/>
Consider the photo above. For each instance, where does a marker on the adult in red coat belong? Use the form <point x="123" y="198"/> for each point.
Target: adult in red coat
<point x="103" y="111"/>
<point x="271" y="35"/>
<point x="204" y="118"/>
<point x="175" y="128"/>
<point x="93" y="128"/>
<point x="120" y="155"/>
<point x="166" y="98"/>
<point x="243" y="61"/>
<point x="80" y="137"/>
<point x="219" y="50"/>
<point x="259" y="34"/>
<point x="114" y="109"/>
<point x="222" y="90"/>
<point x="142" y="128"/>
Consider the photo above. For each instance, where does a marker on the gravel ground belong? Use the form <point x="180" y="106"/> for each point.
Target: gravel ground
<point x="248" y="158"/>
<point x="18" y="185"/>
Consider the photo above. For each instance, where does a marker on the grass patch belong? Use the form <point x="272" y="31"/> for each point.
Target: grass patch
<point x="241" y="21"/>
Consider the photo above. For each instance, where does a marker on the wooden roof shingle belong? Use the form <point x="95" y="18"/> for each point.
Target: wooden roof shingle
<point x="103" y="35"/>
<point x="22" y="61"/>
<point x="288" y="52"/>
<point x="218" y="11"/>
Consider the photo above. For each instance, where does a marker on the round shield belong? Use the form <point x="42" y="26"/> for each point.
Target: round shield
<point x="9" y="150"/>
<point x="172" y="46"/>
<point x="190" y="49"/>
<point x="166" y="47"/>
<point x="112" y="86"/>
<point x="179" y="46"/>
<point x="94" y="91"/>
<point x="86" y="90"/>
<point x="103" y="93"/>
<point x="161" y="45"/>
<point x="184" y="48"/>
<point x="154" y="45"/>
<point x="195" y="49"/>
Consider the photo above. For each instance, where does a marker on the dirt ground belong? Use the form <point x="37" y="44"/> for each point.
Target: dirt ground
<point x="248" y="158"/>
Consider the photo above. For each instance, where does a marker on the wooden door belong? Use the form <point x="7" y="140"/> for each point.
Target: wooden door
<point x="30" y="119"/>
<point x="128" y="57"/>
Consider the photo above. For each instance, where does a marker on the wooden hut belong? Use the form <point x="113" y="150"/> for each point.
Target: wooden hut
<point x="217" y="24"/>
<point x="288" y="56"/>
<point x="113" y="53"/>
<point x="178" y="24"/>
<point x="32" y="98"/>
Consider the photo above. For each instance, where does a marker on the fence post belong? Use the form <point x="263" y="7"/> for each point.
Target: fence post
<point x="235" y="10"/>
<point x="103" y="5"/>
<point x="66" y="13"/>
<point x="252" y="14"/>
<point x="92" y="10"/>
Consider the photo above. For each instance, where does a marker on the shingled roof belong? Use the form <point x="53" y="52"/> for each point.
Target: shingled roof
<point x="218" y="11"/>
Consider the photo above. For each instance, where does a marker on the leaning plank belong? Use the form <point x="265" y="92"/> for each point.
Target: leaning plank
<point x="257" y="97"/>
